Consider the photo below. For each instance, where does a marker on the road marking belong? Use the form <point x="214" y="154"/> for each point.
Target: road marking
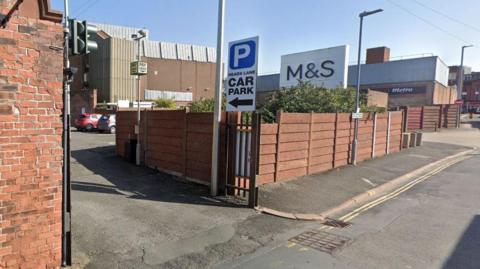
<point x="355" y="213"/>
<point x="369" y="182"/>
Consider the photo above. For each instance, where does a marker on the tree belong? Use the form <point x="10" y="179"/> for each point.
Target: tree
<point x="206" y="105"/>
<point x="165" y="103"/>
<point x="306" y="98"/>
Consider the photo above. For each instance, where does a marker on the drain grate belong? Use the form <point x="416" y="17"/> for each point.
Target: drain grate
<point x="321" y="241"/>
<point x="336" y="223"/>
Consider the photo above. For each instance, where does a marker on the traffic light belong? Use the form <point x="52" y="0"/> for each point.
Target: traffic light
<point x="80" y="37"/>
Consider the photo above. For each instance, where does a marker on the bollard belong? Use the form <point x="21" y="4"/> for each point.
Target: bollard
<point x="413" y="140"/>
<point x="406" y="140"/>
<point x="419" y="139"/>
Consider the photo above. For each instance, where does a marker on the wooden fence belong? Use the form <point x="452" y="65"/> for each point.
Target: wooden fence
<point x="302" y="144"/>
<point x="172" y="141"/>
<point x="431" y="118"/>
<point x="299" y="144"/>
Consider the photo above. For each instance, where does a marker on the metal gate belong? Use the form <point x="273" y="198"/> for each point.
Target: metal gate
<point x="242" y="144"/>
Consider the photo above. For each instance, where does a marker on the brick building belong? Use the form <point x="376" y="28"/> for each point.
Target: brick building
<point x="408" y="82"/>
<point x="30" y="135"/>
<point x="181" y="72"/>
<point x="471" y="86"/>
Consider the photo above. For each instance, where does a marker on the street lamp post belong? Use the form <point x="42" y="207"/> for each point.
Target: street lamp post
<point x="460" y="78"/>
<point x="357" y="94"/>
<point x="461" y="74"/>
<point x="138" y="38"/>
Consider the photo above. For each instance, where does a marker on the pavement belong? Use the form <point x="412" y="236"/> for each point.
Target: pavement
<point x="130" y="217"/>
<point x="317" y="193"/>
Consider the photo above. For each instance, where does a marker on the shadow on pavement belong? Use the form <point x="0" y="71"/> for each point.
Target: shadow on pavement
<point x="113" y="175"/>
<point x="467" y="252"/>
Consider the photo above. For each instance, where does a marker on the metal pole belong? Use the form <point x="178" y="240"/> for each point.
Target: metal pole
<point x="357" y="95"/>
<point x="137" y="152"/>
<point x="460" y="77"/>
<point x="218" y="99"/>
<point x="66" y="206"/>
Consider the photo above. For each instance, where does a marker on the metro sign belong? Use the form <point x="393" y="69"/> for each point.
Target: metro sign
<point x="241" y="83"/>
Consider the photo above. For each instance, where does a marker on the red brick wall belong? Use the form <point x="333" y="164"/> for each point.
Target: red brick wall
<point x="86" y="99"/>
<point x="378" y="55"/>
<point x="301" y="143"/>
<point x="30" y="141"/>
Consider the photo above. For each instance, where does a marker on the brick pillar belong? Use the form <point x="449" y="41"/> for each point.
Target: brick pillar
<point x="30" y="137"/>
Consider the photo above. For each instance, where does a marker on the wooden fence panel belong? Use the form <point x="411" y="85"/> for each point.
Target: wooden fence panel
<point x="450" y="116"/>
<point x="125" y="131"/>
<point x="414" y="118"/>
<point x="305" y="143"/>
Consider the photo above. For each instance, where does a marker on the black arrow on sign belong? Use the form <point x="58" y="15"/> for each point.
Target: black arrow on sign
<point x="237" y="102"/>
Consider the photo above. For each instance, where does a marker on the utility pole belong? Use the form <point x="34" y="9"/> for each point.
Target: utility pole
<point x="357" y="94"/>
<point x="66" y="205"/>
<point x="218" y="99"/>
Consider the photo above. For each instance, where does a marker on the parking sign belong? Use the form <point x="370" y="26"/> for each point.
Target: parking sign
<point x="241" y="84"/>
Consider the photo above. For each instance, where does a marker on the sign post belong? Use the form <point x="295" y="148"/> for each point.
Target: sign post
<point x="241" y="83"/>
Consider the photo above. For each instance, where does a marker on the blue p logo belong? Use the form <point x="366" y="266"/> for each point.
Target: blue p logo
<point x="242" y="55"/>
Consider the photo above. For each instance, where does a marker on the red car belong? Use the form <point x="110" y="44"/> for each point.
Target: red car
<point x="87" y="122"/>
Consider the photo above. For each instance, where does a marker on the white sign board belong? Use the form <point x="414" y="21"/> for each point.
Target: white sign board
<point x="138" y="68"/>
<point x="357" y="116"/>
<point x="324" y="68"/>
<point x="241" y="83"/>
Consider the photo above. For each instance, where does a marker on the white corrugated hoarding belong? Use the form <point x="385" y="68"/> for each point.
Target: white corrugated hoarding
<point x="177" y="96"/>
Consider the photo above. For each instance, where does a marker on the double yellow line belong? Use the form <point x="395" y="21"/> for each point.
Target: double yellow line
<point x="355" y="213"/>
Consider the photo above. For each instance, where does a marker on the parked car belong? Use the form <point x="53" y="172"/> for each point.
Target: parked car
<point x="107" y="123"/>
<point x="87" y="122"/>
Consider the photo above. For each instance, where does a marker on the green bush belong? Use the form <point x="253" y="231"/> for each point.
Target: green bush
<point x="165" y="103"/>
<point x="206" y="105"/>
<point x="306" y="98"/>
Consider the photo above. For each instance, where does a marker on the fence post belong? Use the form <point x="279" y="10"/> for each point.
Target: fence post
<point x="405" y="120"/>
<point x="459" y="113"/>
<point x="277" y="157"/>
<point x="401" y="131"/>
<point x="185" y="139"/>
<point x="374" y="136"/>
<point x="310" y="139"/>
<point x="440" y="117"/>
<point x="254" y="160"/>
<point x="389" y="121"/>
<point x="335" y="141"/>
<point x="145" y="137"/>
<point x="422" y="115"/>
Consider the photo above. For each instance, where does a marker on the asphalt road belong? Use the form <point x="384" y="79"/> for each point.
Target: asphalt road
<point x="129" y="217"/>
<point x="434" y="225"/>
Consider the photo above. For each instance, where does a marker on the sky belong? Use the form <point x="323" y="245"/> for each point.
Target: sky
<point x="407" y="27"/>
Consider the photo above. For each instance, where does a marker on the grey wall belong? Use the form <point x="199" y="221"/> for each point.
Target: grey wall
<point x="267" y="83"/>
<point x="411" y="70"/>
